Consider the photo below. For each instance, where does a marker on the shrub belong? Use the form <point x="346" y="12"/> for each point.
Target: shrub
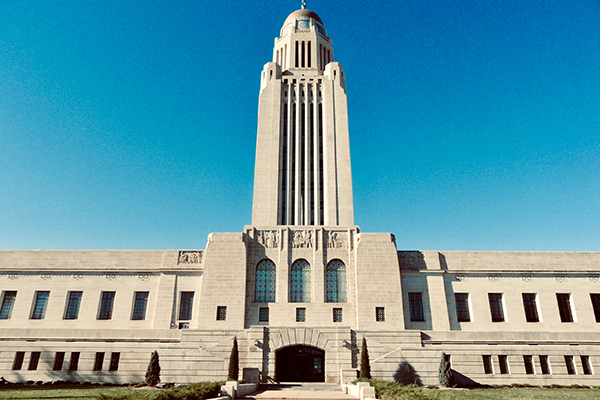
<point x="445" y="374"/>
<point x="365" y="366"/>
<point x="153" y="372"/>
<point x="406" y="375"/>
<point x="234" y="362"/>
<point x="394" y="391"/>
<point x="204" y="390"/>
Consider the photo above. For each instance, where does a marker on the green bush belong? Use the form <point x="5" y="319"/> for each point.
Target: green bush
<point x="234" y="362"/>
<point x="365" y="366"/>
<point x="153" y="372"/>
<point x="445" y="374"/>
<point x="394" y="391"/>
<point x="194" y="391"/>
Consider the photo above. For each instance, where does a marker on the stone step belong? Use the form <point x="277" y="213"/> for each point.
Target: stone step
<point x="300" y="391"/>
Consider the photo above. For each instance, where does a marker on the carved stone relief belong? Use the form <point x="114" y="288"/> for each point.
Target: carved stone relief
<point x="269" y="239"/>
<point x="334" y="241"/>
<point x="302" y="239"/>
<point x="189" y="257"/>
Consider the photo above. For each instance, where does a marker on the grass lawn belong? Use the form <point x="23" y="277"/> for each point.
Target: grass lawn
<point x="521" y="393"/>
<point x="82" y="392"/>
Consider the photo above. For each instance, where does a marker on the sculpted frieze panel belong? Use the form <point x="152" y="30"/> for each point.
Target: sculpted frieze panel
<point x="189" y="257"/>
<point x="302" y="239"/>
<point x="335" y="240"/>
<point x="268" y="238"/>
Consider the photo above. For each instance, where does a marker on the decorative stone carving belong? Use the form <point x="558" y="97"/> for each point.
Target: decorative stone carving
<point x="302" y="239"/>
<point x="461" y="278"/>
<point x="561" y="278"/>
<point x="12" y="277"/>
<point x="111" y="277"/>
<point x="494" y="278"/>
<point x="527" y="278"/>
<point x="46" y="276"/>
<point x="78" y="277"/>
<point x="189" y="257"/>
<point x="143" y="277"/>
<point x="594" y="278"/>
<point x="333" y="241"/>
<point x="269" y="239"/>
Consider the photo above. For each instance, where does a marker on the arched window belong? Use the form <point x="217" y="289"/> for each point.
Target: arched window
<point x="300" y="282"/>
<point x="335" y="282"/>
<point x="265" y="282"/>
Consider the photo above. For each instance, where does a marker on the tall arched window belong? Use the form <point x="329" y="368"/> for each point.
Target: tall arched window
<point x="265" y="282"/>
<point x="300" y="282"/>
<point x="335" y="282"/>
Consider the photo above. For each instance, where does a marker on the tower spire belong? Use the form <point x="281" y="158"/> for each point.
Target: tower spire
<point x="303" y="4"/>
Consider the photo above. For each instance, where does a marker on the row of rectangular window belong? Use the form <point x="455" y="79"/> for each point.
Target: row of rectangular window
<point x="496" y="302"/>
<point x="59" y="358"/>
<point x="263" y="314"/>
<point x="107" y="299"/>
<point x="488" y="366"/>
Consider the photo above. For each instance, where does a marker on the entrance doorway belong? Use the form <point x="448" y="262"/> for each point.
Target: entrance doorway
<point x="300" y="364"/>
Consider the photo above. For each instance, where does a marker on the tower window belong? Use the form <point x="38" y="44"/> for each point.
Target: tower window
<point x="300" y="282"/>
<point x="265" y="282"/>
<point x="335" y="282"/>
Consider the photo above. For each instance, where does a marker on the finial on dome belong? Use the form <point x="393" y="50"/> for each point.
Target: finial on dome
<point x="304" y="4"/>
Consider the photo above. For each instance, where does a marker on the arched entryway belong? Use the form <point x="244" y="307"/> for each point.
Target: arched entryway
<point x="300" y="364"/>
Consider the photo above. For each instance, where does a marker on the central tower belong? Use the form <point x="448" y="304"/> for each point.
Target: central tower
<point x="302" y="173"/>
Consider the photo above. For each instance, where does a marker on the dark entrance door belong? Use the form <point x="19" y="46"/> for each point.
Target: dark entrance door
<point x="300" y="364"/>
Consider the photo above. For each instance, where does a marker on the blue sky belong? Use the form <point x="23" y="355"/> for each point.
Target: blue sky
<point x="474" y="124"/>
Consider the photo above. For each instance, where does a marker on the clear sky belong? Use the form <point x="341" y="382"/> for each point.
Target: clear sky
<point x="474" y="124"/>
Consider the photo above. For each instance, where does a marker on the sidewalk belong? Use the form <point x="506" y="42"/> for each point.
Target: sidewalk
<point x="297" y="391"/>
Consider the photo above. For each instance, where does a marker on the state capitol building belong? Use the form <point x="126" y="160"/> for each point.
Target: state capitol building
<point x="302" y="285"/>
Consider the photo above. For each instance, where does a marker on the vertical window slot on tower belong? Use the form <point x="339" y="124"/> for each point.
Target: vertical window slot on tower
<point x="308" y="50"/>
<point x="296" y="60"/>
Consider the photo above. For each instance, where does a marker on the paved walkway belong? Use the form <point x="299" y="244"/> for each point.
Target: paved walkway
<point x="299" y="391"/>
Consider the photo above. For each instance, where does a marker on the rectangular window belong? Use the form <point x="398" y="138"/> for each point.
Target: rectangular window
<point x="595" y="304"/>
<point x="34" y="359"/>
<point x="114" y="361"/>
<point x="99" y="361"/>
<point x="8" y="300"/>
<point x="221" y="313"/>
<point x="488" y="368"/>
<point x="263" y="314"/>
<point x="106" y="305"/>
<point x="570" y="365"/>
<point x="39" y="306"/>
<point x="415" y="304"/>
<point x="139" y="306"/>
<point x="545" y="364"/>
<point x="186" y="305"/>
<point x="18" y="361"/>
<point x="300" y="314"/>
<point x="59" y="358"/>
<point x="337" y="315"/>
<point x="586" y="365"/>
<point x="380" y="314"/>
<point x="496" y="307"/>
<point x="462" y="307"/>
<point x="564" y="307"/>
<point x="74" y="362"/>
<point x="530" y="306"/>
<point x="503" y="362"/>
<point x="528" y="361"/>
<point x="73" y="302"/>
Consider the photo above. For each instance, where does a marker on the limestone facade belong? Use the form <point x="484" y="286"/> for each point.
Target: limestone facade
<point x="302" y="286"/>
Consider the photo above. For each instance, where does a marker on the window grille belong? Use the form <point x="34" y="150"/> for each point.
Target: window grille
<point x="335" y="282"/>
<point x="564" y="307"/>
<point x="186" y="305"/>
<point x="380" y="314"/>
<point x="462" y="307"/>
<point x="139" y="306"/>
<point x="39" y="307"/>
<point x="415" y="304"/>
<point x="337" y="315"/>
<point x="300" y="282"/>
<point x="265" y="282"/>
<point x="221" y="313"/>
<point x="263" y="314"/>
<point x="106" y="305"/>
<point x="73" y="302"/>
<point x="7" y="304"/>
<point x="300" y="314"/>
<point x="530" y="306"/>
<point x="496" y="307"/>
